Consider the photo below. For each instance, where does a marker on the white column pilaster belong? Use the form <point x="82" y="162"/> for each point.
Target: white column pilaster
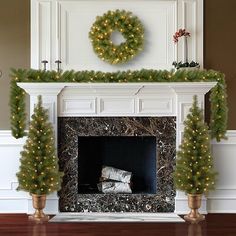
<point x="49" y="93"/>
<point x="184" y="100"/>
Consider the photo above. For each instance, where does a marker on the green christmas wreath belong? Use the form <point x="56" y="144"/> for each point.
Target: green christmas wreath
<point x="128" y="25"/>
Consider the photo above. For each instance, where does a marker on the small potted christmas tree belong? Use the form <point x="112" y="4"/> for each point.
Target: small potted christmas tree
<point x="194" y="172"/>
<point x="39" y="171"/>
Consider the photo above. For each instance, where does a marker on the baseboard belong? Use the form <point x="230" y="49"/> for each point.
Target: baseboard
<point x="24" y="205"/>
<point x="221" y="205"/>
<point x="13" y="205"/>
<point x="6" y="139"/>
<point x="209" y="205"/>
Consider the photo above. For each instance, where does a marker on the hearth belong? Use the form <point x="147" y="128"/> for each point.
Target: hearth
<point x="144" y="146"/>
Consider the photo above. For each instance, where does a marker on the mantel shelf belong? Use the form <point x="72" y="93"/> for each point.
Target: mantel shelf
<point x="35" y="88"/>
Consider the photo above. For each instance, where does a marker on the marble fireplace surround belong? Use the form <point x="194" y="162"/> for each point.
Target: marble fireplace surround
<point x="163" y="128"/>
<point x="168" y="101"/>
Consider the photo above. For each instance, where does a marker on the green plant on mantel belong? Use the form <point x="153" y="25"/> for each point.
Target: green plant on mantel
<point x="218" y="97"/>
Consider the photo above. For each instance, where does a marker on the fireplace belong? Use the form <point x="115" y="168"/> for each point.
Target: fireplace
<point x="143" y="145"/>
<point x="118" y="109"/>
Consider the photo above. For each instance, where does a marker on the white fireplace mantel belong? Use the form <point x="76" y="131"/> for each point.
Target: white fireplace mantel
<point x="121" y="99"/>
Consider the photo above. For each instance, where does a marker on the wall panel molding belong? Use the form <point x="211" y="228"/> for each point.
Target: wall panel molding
<point x="223" y="198"/>
<point x="12" y="201"/>
<point x="190" y="17"/>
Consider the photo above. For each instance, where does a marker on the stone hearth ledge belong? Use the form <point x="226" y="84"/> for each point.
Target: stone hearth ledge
<point x="116" y="217"/>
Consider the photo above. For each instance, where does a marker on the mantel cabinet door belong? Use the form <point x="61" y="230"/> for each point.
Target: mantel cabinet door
<point x="60" y="28"/>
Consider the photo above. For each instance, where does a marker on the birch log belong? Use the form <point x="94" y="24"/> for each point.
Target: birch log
<point x="114" y="187"/>
<point x="111" y="173"/>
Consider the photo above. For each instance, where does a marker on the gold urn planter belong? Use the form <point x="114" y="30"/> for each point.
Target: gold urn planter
<point x="39" y="202"/>
<point x="194" y="203"/>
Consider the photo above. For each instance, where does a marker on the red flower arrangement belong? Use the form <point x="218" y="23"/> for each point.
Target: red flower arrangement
<point x="180" y="33"/>
<point x="176" y="36"/>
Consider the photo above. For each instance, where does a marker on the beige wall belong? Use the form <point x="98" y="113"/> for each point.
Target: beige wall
<point x="220" y="46"/>
<point x="14" y="48"/>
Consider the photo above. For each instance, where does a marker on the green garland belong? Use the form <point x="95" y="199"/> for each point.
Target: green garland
<point x="17" y="105"/>
<point x="218" y="96"/>
<point x="128" y="25"/>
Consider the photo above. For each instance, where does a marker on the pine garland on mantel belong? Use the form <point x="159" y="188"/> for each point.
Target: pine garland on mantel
<point x="218" y="97"/>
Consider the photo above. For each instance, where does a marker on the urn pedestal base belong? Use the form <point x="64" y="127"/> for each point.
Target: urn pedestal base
<point x="194" y="203"/>
<point x="39" y="220"/>
<point x="39" y="202"/>
<point x="194" y="220"/>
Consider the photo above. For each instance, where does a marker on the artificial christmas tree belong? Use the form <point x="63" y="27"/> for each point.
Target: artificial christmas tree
<point x="39" y="171"/>
<point x="194" y="172"/>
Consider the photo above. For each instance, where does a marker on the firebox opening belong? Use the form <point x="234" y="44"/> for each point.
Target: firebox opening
<point x="136" y="154"/>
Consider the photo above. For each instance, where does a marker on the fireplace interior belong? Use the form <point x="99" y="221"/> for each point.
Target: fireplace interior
<point x="136" y="154"/>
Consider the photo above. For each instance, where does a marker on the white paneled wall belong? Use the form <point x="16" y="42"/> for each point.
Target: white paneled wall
<point x="223" y="199"/>
<point x="12" y="201"/>
<point x="59" y="30"/>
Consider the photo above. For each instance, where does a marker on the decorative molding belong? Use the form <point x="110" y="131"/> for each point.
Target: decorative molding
<point x="53" y="35"/>
<point x="70" y="106"/>
<point x="231" y="135"/>
<point x="222" y="206"/>
<point x="223" y="198"/>
<point x="49" y="92"/>
<point x="184" y="110"/>
<point x="12" y="186"/>
<point x="46" y="89"/>
<point x="45" y="32"/>
<point x="117" y="105"/>
<point x="185" y="106"/>
<point x="41" y="33"/>
<point x="195" y="88"/>
<point x="190" y="17"/>
<point x="69" y="13"/>
<point x="12" y="201"/>
<point x="6" y="139"/>
<point x="148" y="99"/>
<point x="158" y="104"/>
<point x="51" y="110"/>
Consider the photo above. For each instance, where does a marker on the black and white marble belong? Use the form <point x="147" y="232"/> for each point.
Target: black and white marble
<point x="116" y="217"/>
<point x="163" y="128"/>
